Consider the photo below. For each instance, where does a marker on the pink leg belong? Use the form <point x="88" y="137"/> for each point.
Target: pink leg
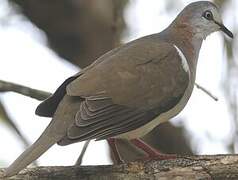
<point x="113" y="147"/>
<point x="150" y="151"/>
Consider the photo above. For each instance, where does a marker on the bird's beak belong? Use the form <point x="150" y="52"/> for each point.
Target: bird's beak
<point x="224" y="29"/>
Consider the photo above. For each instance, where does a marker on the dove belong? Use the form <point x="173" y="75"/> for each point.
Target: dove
<point x="129" y="90"/>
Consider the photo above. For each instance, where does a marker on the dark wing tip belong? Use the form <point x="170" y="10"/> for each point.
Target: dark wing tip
<point x="45" y="109"/>
<point x="48" y="107"/>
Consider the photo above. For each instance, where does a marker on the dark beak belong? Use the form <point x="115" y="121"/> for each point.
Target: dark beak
<point x="225" y="30"/>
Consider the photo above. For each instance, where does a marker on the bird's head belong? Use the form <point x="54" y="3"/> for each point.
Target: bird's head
<point x="203" y="18"/>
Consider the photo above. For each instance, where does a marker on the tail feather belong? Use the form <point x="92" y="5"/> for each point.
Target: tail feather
<point x="31" y="154"/>
<point x="56" y="130"/>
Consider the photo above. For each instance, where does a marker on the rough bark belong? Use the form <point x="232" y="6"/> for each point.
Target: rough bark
<point x="218" y="167"/>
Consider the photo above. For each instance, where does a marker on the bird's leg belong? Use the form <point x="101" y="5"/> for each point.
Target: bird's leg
<point x="114" y="150"/>
<point x="150" y="151"/>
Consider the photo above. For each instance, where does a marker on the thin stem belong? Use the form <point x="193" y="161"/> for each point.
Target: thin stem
<point x="6" y="86"/>
<point x="206" y="91"/>
<point x="80" y="158"/>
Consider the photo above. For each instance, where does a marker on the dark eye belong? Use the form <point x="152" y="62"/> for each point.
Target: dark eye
<point x="208" y="15"/>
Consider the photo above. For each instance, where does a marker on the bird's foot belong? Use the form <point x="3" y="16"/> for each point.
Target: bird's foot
<point x="152" y="154"/>
<point x="160" y="156"/>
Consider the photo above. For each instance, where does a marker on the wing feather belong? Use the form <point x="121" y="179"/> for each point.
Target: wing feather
<point x="105" y="124"/>
<point x="146" y="81"/>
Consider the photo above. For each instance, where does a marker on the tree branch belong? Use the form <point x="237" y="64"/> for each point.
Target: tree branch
<point x="81" y="155"/>
<point x="206" y="91"/>
<point x="194" y="167"/>
<point x="11" y="124"/>
<point x="6" y="86"/>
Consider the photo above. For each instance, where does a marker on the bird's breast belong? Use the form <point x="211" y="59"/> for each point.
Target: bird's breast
<point x="163" y="117"/>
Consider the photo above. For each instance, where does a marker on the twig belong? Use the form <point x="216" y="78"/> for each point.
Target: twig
<point x="6" y="86"/>
<point x="80" y="158"/>
<point x="206" y="91"/>
<point x="6" y="119"/>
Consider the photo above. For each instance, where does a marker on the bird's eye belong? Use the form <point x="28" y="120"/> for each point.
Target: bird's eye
<point x="208" y="15"/>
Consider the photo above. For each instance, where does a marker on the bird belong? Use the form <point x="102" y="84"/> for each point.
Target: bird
<point x="129" y="90"/>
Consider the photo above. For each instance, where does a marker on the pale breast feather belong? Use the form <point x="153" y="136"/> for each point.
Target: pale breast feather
<point x="183" y="59"/>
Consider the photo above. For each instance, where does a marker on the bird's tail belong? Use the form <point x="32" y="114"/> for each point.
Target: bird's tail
<point x="44" y="142"/>
<point x="56" y="130"/>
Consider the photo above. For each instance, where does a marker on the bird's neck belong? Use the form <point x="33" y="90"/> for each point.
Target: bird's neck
<point x="184" y="38"/>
